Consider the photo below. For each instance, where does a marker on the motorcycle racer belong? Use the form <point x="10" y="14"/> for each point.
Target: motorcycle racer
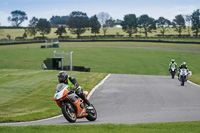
<point x="172" y="64"/>
<point x="73" y="85"/>
<point x="183" y="65"/>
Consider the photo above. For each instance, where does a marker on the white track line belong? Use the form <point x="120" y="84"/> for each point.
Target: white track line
<point x="193" y="83"/>
<point x="97" y="86"/>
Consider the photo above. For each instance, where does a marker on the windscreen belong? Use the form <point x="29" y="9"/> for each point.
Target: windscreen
<point x="60" y="87"/>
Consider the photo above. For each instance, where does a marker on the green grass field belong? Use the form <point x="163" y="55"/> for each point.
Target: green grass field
<point x="28" y="94"/>
<point x="26" y="91"/>
<point x="178" y="127"/>
<point x="107" y="57"/>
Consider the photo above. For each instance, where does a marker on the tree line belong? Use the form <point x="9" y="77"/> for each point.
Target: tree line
<point x="78" y="22"/>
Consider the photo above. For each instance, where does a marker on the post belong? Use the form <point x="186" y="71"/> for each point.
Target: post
<point x="45" y="43"/>
<point x="71" y="60"/>
<point x="54" y="53"/>
<point x="62" y="63"/>
<point x="63" y="54"/>
<point x="62" y="58"/>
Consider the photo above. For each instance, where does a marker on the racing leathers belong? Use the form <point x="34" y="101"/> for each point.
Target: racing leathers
<point x="182" y="66"/>
<point x="172" y="64"/>
<point x="74" y="86"/>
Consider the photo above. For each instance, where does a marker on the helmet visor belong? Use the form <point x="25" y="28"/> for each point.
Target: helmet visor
<point x="61" y="79"/>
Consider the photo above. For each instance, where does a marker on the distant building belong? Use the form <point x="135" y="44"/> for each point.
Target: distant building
<point x="118" y="26"/>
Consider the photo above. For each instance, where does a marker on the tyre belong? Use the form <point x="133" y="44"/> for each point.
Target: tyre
<point x="182" y="83"/>
<point x="92" y="114"/>
<point x="68" y="114"/>
<point x="173" y="73"/>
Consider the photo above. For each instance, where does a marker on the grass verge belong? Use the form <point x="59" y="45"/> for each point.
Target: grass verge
<point x="179" y="127"/>
<point x="27" y="95"/>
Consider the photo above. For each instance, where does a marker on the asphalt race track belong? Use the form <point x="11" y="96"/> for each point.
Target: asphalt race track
<point x="130" y="99"/>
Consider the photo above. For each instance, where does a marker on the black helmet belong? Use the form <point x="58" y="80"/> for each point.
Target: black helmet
<point x="62" y="76"/>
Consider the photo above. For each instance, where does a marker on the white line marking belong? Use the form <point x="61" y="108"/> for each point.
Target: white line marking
<point x="97" y="86"/>
<point x="29" y="122"/>
<point x="49" y="118"/>
<point x="193" y="83"/>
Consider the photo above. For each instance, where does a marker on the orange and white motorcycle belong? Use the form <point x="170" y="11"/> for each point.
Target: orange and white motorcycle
<point x="72" y="105"/>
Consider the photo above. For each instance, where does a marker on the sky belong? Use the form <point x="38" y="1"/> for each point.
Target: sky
<point x="115" y="8"/>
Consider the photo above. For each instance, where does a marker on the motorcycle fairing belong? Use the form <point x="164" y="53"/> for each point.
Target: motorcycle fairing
<point x="81" y="112"/>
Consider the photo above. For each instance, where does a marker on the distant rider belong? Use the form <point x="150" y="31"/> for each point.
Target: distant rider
<point x="183" y="65"/>
<point x="172" y="64"/>
<point x="73" y="85"/>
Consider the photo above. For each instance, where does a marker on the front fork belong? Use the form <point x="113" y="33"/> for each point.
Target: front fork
<point x="183" y="78"/>
<point x="69" y="106"/>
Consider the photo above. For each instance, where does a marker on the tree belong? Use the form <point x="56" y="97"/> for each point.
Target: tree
<point x="95" y="25"/>
<point x="188" y="23"/>
<point x="8" y="36"/>
<point x="195" y="18"/>
<point x="32" y="29"/>
<point x="55" y="20"/>
<point x="17" y="17"/>
<point x="163" y="24"/>
<point x="118" y="22"/>
<point x="43" y="26"/>
<point x="1" y="32"/>
<point x="130" y="23"/>
<point x="179" y="23"/>
<point x="24" y="35"/>
<point x="103" y="18"/>
<point x="60" y="31"/>
<point x="147" y="23"/>
<point x="110" y="22"/>
<point x="78" y="23"/>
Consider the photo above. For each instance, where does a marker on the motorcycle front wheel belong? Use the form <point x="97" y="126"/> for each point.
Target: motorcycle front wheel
<point x="173" y="73"/>
<point x="182" y="80"/>
<point x="182" y="83"/>
<point x="68" y="114"/>
<point x="92" y="114"/>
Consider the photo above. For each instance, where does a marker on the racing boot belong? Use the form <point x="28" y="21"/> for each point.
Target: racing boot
<point x="82" y="96"/>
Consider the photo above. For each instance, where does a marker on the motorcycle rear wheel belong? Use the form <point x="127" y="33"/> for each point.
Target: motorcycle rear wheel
<point x="92" y="115"/>
<point x="69" y="115"/>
